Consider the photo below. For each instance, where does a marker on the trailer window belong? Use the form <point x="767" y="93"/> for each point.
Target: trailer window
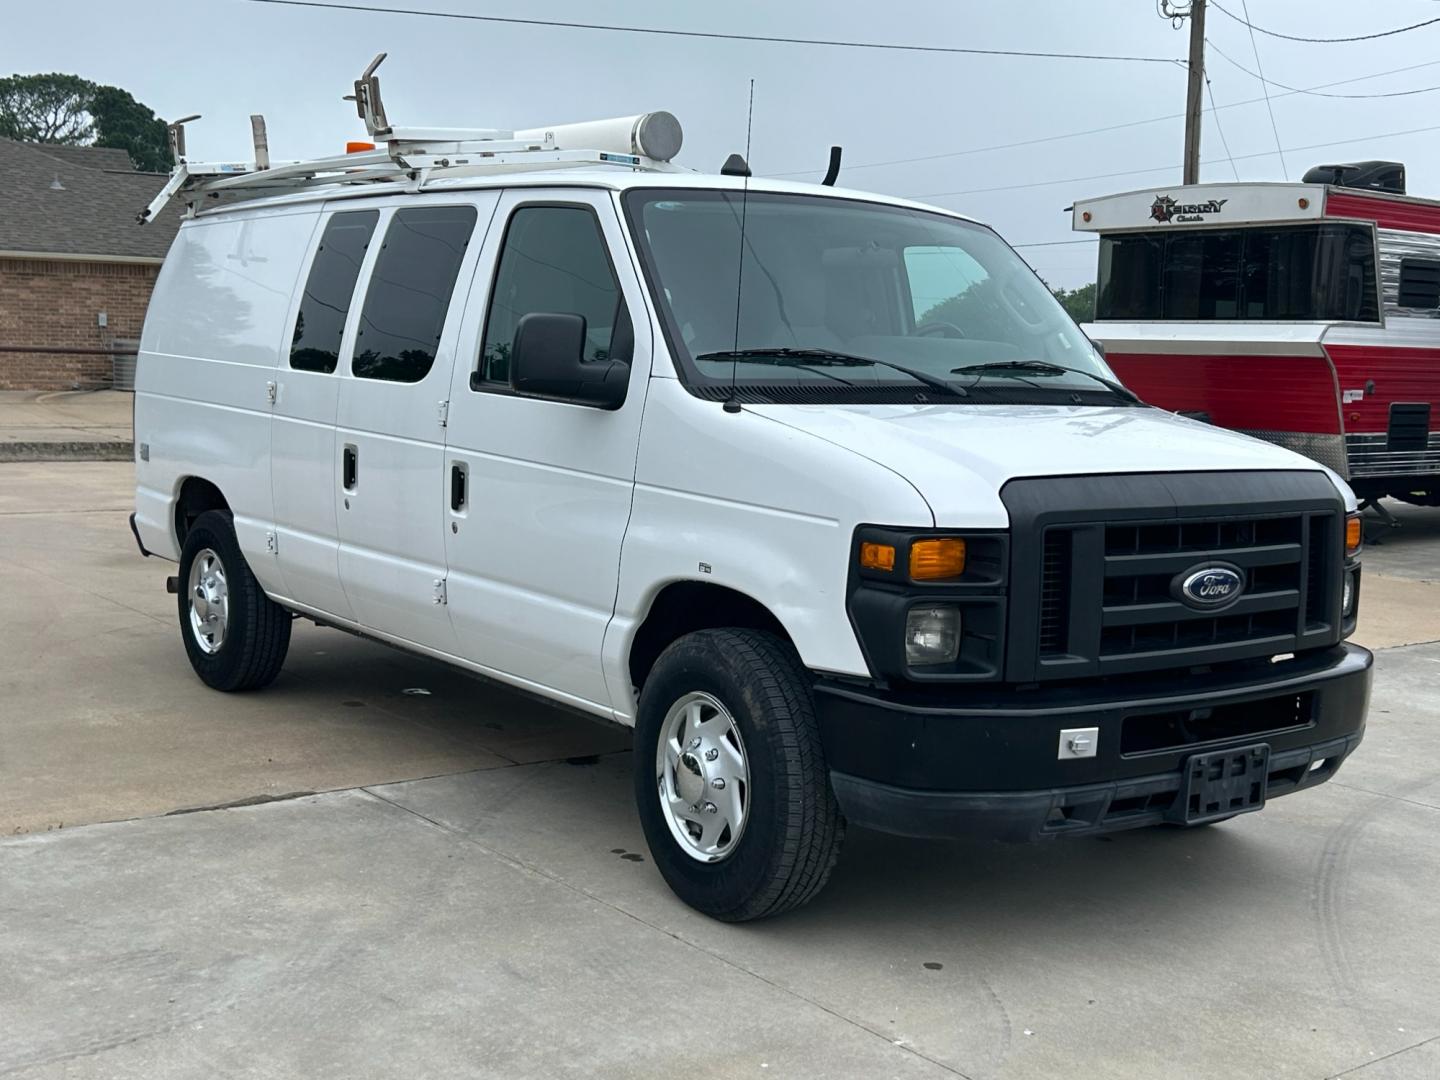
<point x="1419" y="284"/>
<point x="329" y="289"/>
<point x="1286" y="272"/>
<point x="409" y="294"/>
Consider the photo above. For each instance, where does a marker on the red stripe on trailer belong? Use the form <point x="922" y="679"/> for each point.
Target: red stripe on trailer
<point x="1410" y="375"/>
<point x="1254" y="393"/>
<point x="1386" y="213"/>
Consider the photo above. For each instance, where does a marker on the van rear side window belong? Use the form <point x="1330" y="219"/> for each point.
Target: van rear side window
<point x="409" y="294"/>
<point x="321" y="322"/>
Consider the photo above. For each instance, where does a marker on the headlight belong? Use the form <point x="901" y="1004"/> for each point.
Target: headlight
<point x="932" y="634"/>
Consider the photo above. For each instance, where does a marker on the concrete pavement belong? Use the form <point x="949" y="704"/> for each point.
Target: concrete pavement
<point x="469" y="894"/>
<point x="38" y="425"/>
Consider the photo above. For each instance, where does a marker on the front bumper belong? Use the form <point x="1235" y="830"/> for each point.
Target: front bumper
<point x="984" y="761"/>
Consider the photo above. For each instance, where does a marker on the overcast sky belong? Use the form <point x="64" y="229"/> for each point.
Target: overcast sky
<point x="228" y="58"/>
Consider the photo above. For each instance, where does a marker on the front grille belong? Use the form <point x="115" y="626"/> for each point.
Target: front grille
<point x="1140" y="614"/>
<point x="1097" y="563"/>
<point x="1055" y="593"/>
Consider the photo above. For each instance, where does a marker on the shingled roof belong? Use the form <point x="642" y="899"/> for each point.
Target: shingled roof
<point x="92" y="212"/>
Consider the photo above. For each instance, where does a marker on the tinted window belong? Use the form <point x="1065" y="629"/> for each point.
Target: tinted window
<point x="410" y="291"/>
<point x="1281" y="272"/>
<point x="321" y="322"/>
<point x="554" y="261"/>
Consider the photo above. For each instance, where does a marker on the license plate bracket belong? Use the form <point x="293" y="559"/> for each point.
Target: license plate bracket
<point x="1223" y="783"/>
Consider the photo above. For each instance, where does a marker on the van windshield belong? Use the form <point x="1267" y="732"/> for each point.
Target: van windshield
<point x="843" y="300"/>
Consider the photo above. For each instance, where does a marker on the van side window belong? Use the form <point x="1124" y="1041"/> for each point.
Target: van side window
<point x="553" y="260"/>
<point x="409" y="294"/>
<point x="328" y="290"/>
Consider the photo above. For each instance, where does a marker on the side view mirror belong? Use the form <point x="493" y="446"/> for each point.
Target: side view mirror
<point x="547" y="358"/>
<point x="1099" y="347"/>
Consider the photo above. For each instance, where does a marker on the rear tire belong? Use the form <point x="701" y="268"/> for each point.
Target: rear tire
<point x="235" y="635"/>
<point x="734" y="706"/>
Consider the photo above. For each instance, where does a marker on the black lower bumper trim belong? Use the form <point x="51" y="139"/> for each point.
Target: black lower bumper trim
<point x="1021" y="816"/>
<point x="973" y="759"/>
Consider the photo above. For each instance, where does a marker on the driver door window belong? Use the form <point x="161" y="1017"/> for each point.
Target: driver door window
<point x="553" y="260"/>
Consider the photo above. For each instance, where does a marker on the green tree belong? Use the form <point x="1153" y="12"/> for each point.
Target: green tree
<point x="1080" y="303"/>
<point x="124" y="123"/>
<point x="50" y="108"/>
<point x="72" y="111"/>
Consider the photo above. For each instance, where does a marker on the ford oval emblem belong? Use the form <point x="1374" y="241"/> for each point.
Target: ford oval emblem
<point x="1209" y="586"/>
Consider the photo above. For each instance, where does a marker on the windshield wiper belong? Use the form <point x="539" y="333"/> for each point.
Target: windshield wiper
<point x="787" y="357"/>
<point x="1044" y="367"/>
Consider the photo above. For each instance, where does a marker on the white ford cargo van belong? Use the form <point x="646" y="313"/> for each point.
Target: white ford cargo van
<point x="821" y="492"/>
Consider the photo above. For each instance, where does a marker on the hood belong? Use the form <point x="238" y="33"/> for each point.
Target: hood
<point x="959" y="456"/>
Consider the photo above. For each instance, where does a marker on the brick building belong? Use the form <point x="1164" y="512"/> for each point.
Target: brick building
<point x="75" y="269"/>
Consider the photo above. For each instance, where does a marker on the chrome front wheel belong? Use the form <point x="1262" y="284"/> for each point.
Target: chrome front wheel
<point x="209" y="595"/>
<point x="702" y="777"/>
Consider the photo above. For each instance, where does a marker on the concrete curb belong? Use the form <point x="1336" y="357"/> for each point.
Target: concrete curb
<point x="79" y="450"/>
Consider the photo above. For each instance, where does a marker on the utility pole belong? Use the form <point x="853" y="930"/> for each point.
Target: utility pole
<point x="1195" y="92"/>
<point x="1177" y="11"/>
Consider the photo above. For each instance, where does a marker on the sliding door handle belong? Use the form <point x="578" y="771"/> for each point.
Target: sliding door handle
<point x="349" y="467"/>
<point x="459" y="477"/>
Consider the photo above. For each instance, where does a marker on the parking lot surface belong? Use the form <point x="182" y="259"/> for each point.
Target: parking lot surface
<point x="453" y="882"/>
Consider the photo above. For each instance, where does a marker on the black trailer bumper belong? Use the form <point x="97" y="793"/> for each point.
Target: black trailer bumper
<point x="977" y="761"/>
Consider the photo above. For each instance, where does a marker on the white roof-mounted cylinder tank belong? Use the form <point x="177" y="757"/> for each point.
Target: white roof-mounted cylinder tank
<point x="655" y="135"/>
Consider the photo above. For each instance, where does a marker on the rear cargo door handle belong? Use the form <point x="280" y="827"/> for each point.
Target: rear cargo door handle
<point x="349" y="467"/>
<point x="459" y="477"/>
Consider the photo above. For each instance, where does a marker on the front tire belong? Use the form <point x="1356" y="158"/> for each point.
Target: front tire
<point x="730" y="779"/>
<point x="235" y="636"/>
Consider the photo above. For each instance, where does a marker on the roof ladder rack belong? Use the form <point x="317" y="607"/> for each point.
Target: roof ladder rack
<point x="413" y="156"/>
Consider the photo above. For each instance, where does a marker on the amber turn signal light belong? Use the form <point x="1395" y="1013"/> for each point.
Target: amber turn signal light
<point x="935" y="560"/>
<point x="877" y="556"/>
<point x="1354" y="535"/>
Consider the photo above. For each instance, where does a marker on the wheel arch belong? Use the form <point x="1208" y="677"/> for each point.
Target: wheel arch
<point x="194" y="496"/>
<point x="685" y="606"/>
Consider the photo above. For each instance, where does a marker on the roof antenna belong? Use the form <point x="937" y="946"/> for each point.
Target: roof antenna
<point x="833" y="172"/>
<point x="735" y="165"/>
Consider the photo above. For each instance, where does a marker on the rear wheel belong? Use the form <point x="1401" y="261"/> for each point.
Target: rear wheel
<point x="730" y="779"/>
<point x="235" y="635"/>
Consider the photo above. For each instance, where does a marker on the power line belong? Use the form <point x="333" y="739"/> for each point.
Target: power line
<point x="1057" y="243"/>
<point x="1317" y="92"/>
<point x="334" y="5"/>
<point x="1119" y="127"/>
<point x="1317" y="40"/>
<point x="1214" y="113"/>
<point x="1172" y="168"/>
<point x="1264" y="87"/>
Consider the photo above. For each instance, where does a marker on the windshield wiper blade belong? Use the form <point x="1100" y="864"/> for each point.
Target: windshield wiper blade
<point x="1044" y="367"/>
<point x="822" y="357"/>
